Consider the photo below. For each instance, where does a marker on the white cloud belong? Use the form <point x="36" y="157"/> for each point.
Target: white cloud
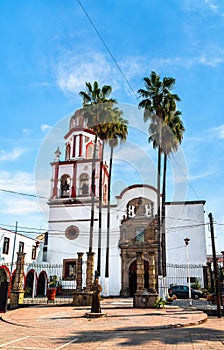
<point x="200" y="176"/>
<point x="12" y="155"/>
<point x="211" y="4"/>
<point x="17" y="181"/>
<point x="20" y="182"/>
<point x="75" y="71"/>
<point x="45" y="127"/>
<point x="202" y="5"/>
<point x="19" y="207"/>
<point x="213" y="57"/>
<point x="72" y="72"/>
<point x="26" y="131"/>
<point x="217" y="132"/>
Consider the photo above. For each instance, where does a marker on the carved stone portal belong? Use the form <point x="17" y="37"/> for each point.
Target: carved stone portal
<point x="139" y="247"/>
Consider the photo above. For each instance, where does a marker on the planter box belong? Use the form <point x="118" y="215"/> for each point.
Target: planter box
<point x="51" y="294"/>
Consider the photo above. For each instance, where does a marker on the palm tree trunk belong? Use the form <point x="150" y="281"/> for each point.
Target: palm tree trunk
<point x="164" y="217"/>
<point x="158" y="211"/>
<point x="92" y="197"/>
<point x="100" y="214"/>
<point x="108" y="215"/>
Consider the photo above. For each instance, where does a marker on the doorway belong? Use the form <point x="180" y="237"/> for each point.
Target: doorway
<point x="29" y="283"/>
<point x="3" y="290"/>
<point x="41" y="284"/>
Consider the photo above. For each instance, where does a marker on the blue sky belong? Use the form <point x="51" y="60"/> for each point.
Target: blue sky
<point x="49" y="49"/>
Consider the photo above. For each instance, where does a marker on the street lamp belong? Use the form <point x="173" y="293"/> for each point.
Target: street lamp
<point x="186" y="241"/>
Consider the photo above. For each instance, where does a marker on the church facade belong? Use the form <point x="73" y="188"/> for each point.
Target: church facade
<point x="133" y="222"/>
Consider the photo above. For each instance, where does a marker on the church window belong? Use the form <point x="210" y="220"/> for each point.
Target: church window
<point x="21" y="247"/>
<point x="89" y="151"/>
<point x="5" y="249"/>
<point x="74" y="146"/>
<point x="69" y="269"/>
<point x="84" y="185"/>
<point x="68" y="152"/>
<point x="71" y="232"/>
<point x="140" y="235"/>
<point x="34" y="252"/>
<point x="65" y="186"/>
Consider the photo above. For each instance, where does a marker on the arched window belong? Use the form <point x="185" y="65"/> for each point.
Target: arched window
<point x="68" y="152"/>
<point x="89" y="151"/>
<point x="65" y="186"/>
<point x="84" y="185"/>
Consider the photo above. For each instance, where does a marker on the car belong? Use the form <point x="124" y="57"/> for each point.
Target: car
<point x="182" y="292"/>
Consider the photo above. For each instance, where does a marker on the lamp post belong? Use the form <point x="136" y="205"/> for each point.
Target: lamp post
<point x="186" y="241"/>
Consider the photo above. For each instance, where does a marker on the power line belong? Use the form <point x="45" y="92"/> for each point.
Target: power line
<point x="108" y="50"/>
<point x="186" y="178"/>
<point x="22" y="194"/>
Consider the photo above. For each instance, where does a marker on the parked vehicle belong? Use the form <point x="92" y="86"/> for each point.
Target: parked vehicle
<point x="182" y="292"/>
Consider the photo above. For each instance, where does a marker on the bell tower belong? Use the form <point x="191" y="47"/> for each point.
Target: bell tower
<point x="72" y="177"/>
<point x="71" y="196"/>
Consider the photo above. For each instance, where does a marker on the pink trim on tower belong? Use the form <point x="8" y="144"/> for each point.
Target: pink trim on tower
<point x="80" y="145"/>
<point x="73" y="194"/>
<point x="55" y="187"/>
<point x="89" y="131"/>
<point x="74" y="146"/>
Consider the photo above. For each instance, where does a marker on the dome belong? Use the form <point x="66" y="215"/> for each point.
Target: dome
<point x="77" y="120"/>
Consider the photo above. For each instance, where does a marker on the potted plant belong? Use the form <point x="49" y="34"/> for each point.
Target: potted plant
<point x="52" y="288"/>
<point x="59" y="287"/>
<point x="160" y="302"/>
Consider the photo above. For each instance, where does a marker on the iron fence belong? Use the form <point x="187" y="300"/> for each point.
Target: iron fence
<point x="37" y="278"/>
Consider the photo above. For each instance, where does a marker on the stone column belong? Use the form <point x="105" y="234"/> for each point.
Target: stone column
<point x="152" y="273"/>
<point x="124" y="276"/>
<point x="140" y="271"/>
<point x="17" y="292"/>
<point x="89" y="270"/>
<point x="79" y="273"/>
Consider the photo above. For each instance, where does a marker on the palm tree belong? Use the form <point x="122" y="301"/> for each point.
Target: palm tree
<point x="157" y="97"/>
<point x="172" y="137"/>
<point x="117" y="131"/>
<point x="95" y="100"/>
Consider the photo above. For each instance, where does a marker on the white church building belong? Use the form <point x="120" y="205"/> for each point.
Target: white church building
<point x="133" y="220"/>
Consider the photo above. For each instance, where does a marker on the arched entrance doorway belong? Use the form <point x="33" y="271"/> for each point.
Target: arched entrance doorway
<point x="133" y="277"/>
<point x="4" y="283"/>
<point x="41" y="283"/>
<point x="29" y="283"/>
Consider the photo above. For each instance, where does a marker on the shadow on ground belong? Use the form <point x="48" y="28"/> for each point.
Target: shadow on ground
<point x="138" y="337"/>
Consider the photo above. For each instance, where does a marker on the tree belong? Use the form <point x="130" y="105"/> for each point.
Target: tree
<point x="117" y="130"/>
<point x="158" y="102"/>
<point x="95" y="100"/>
<point x="172" y="136"/>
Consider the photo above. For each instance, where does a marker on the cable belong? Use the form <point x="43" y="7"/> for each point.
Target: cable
<point x="185" y="178"/>
<point x="22" y="194"/>
<point x="107" y="48"/>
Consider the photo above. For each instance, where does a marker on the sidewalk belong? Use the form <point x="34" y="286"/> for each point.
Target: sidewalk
<point x="56" y="327"/>
<point x="119" y="314"/>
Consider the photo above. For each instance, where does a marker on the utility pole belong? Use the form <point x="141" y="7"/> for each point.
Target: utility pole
<point x="215" y="266"/>
<point x="187" y="240"/>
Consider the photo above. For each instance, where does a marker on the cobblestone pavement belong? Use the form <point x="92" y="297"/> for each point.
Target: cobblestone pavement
<point x="122" y="327"/>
